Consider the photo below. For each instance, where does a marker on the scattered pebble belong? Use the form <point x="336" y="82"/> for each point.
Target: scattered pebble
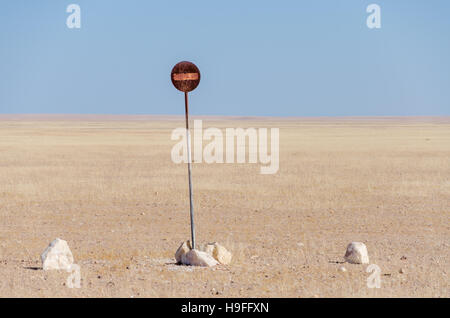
<point x="57" y="256"/>
<point x="356" y="253"/>
<point x="342" y="269"/>
<point x="215" y="291"/>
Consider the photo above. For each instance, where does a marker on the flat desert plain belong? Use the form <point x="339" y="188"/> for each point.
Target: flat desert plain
<point x="107" y="185"/>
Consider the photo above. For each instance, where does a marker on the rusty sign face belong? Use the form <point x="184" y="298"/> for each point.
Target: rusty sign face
<point x="185" y="76"/>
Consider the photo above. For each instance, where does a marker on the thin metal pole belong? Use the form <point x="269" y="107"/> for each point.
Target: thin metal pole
<point x="191" y="199"/>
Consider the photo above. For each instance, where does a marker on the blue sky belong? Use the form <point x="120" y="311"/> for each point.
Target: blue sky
<point x="257" y="58"/>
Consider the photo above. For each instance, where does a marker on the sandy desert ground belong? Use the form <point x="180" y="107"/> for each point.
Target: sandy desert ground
<point x="107" y="185"/>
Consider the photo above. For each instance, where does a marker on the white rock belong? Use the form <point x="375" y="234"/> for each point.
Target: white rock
<point x="198" y="258"/>
<point x="182" y="250"/>
<point x="219" y="253"/>
<point x="357" y="253"/>
<point x="342" y="269"/>
<point x="57" y="256"/>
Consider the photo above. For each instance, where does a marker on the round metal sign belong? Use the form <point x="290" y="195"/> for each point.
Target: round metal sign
<point x="185" y="76"/>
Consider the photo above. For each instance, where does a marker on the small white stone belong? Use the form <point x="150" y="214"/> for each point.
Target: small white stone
<point x="198" y="258"/>
<point x="342" y="269"/>
<point x="219" y="252"/>
<point x="357" y="253"/>
<point x="182" y="250"/>
<point x="57" y="256"/>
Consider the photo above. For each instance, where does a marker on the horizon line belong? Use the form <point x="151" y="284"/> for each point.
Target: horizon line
<point x="106" y="117"/>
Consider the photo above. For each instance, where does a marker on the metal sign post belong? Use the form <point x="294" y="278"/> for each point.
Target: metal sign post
<point x="186" y="77"/>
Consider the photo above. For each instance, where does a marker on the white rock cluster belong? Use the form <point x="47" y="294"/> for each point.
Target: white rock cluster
<point x="198" y="258"/>
<point x="213" y="255"/>
<point x="57" y="256"/>
<point x="219" y="253"/>
<point x="356" y="253"/>
<point x="184" y="248"/>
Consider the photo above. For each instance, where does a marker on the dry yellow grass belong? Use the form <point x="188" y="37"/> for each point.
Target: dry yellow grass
<point x="107" y="185"/>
